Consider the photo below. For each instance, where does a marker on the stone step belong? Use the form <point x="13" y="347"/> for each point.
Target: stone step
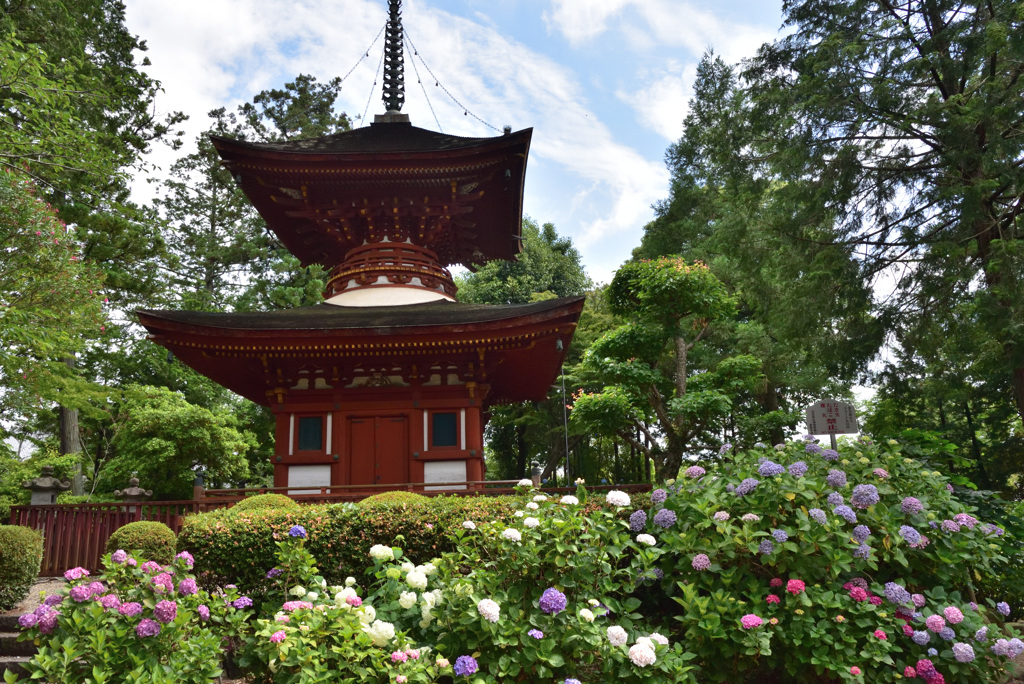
<point x="10" y="646"/>
<point x="15" y="664"/>
<point x="9" y="623"/>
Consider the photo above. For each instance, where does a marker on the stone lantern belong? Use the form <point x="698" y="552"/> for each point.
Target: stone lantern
<point x="133" y="493"/>
<point x="45" y="488"/>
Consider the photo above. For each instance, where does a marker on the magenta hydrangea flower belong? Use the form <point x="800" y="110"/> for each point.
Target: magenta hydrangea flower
<point x="701" y="562"/>
<point x="187" y="557"/>
<point x="750" y="621"/>
<point x="795" y="586"/>
<point x="147" y="628"/>
<point x="166" y="611"/>
<point x="772" y="598"/>
<point x="28" y="620"/>
<point x="130" y="609"/>
<point x="150" y="567"/>
<point x="163" y="583"/>
<point x="204" y="612"/>
<point x="950" y="526"/>
<point x="119" y="556"/>
<point x="277" y="637"/>
<point x="48" y="621"/>
<point x="187" y="587"/>
<point x="79" y="593"/>
<point x="110" y="602"/>
<point x="75" y="574"/>
<point x="399" y="657"/>
<point x="881" y="473"/>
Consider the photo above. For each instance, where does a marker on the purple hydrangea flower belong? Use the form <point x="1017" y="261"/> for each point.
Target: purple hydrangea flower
<point x="897" y="593"/>
<point x="809" y="438"/>
<point x="963" y="652"/>
<point x="187" y="557"/>
<point x="911" y="505"/>
<point x="947" y="633"/>
<point x="637" y="521"/>
<point x="701" y="562"/>
<point x="812" y="448"/>
<point x="1003" y="607"/>
<point x="846" y="513"/>
<point x="770" y="469"/>
<point x="730" y="488"/>
<point x="166" y="611"/>
<point x="119" y="556"/>
<point x="535" y="633"/>
<point x="242" y="602"/>
<point x="658" y="496"/>
<point x="864" y="495"/>
<point x="130" y="609"/>
<point x="464" y="666"/>
<point x="910" y="534"/>
<point x="863" y="551"/>
<point x="28" y="620"/>
<point x="950" y="526"/>
<point x="766" y="547"/>
<point x="571" y="680"/>
<point x="297" y="531"/>
<point x="53" y="600"/>
<point x="798" y="469"/>
<point x="780" y="536"/>
<point x="724" y="449"/>
<point x="665" y="518"/>
<point x="48" y="621"/>
<point x="79" y="593"/>
<point x="920" y="637"/>
<point x="552" y="601"/>
<point x="693" y="472"/>
<point x="817" y="515"/>
<point x="949" y="488"/>
<point x="861" y="533"/>
<point x="835" y="499"/>
<point x="147" y="628"/>
<point x="829" y="454"/>
<point x="274" y="572"/>
<point x="746" y="486"/>
<point x="981" y="634"/>
<point x="204" y="612"/>
<point x="836" y="479"/>
<point x="110" y="602"/>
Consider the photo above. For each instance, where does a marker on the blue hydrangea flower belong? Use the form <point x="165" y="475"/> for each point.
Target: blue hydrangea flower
<point x="932" y="652"/>
<point x="829" y="454"/>
<point x="780" y="536"/>
<point x="766" y="547"/>
<point x="817" y="515"/>
<point x="861" y="533"/>
<point x="658" y="496"/>
<point x="911" y="505"/>
<point x="1003" y="607"/>
<point x="835" y="499"/>
<point x="921" y="637"/>
<point x="910" y="534"/>
<point x="465" y="666"/>
<point x="637" y="521"/>
<point x="836" y="479"/>
<point x="846" y="513"/>
<point x="947" y="633"/>
<point x="864" y="495"/>
<point x="665" y="518"/>
<point x="897" y="593"/>
<point x="297" y="531"/>
<point x="770" y="469"/>
<point x="981" y="634"/>
<point x="746" y="486"/>
<point x="812" y="448"/>
<point x="798" y="469"/>
<point x="863" y="551"/>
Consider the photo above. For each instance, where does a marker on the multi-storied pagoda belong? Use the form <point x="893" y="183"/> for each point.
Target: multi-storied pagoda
<point x="389" y="380"/>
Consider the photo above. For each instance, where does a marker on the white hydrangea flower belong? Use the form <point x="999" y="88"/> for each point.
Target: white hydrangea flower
<point x="368" y="614"/>
<point x="594" y="602"/>
<point x="416" y="580"/>
<point x="349" y="581"/>
<point x="617" y="636"/>
<point x="586" y="615"/>
<point x="425" y="611"/>
<point x="489" y="610"/>
<point x="569" y="499"/>
<point x="427" y="569"/>
<point x="381" y="552"/>
<point x="380" y="632"/>
<point x="425" y="622"/>
<point x="408" y="567"/>
<point x="531" y="522"/>
<point x="512" y="534"/>
<point x="469" y="525"/>
<point x="541" y="497"/>
<point x="525" y="483"/>
<point x="642" y="655"/>
<point x="646" y="539"/>
<point x="532" y="506"/>
<point x="438" y="597"/>
<point x="659" y="638"/>
<point x="298" y="591"/>
<point x="407" y="599"/>
<point x="617" y="498"/>
<point x="580" y="481"/>
<point x="519" y="514"/>
<point x="646" y="641"/>
<point x="429" y="599"/>
<point x="312" y="596"/>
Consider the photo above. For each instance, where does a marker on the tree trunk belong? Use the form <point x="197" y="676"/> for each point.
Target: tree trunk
<point x="70" y="440"/>
<point x="771" y="403"/>
<point x="521" y="450"/>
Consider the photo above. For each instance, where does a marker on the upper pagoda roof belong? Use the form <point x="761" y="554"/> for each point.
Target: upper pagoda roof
<point x="323" y="196"/>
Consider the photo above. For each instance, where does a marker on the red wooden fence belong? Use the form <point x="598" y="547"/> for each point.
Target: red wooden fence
<point x="75" y="535"/>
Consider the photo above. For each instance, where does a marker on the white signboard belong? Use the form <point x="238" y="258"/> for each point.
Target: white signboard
<point x="444" y="471"/>
<point x="313" y="475"/>
<point x="831" y="417"/>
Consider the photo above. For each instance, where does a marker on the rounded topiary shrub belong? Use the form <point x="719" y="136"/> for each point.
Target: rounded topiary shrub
<point x="802" y="563"/>
<point x="21" y="553"/>
<point x="265" y="501"/>
<point x="392" y="498"/>
<point x="152" y="540"/>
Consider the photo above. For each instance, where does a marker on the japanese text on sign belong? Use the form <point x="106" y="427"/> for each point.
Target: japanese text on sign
<point x="831" y="417"/>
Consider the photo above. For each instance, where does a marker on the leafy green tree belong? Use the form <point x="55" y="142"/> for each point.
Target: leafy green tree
<point x="901" y="122"/>
<point x="643" y="365"/>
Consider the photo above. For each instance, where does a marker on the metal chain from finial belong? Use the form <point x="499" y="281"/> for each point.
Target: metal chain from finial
<point x="394" y="63"/>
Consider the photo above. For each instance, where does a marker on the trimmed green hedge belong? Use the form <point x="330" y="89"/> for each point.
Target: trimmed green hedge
<point x="396" y="497"/>
<point x="21" y="553"/>
<point x="239" y="549"/>
<point x="265" y="501"/>
<point x="155" y="541"/>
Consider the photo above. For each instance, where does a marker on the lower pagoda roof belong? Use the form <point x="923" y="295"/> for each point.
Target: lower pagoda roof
<point x="516" y="349"/>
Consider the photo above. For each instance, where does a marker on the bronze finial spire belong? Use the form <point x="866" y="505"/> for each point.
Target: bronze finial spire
<point x="394" y="64"/>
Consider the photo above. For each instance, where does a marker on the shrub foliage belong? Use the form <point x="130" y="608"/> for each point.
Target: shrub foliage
<point x="21" y="553"/>
<point x="154" y="541"/>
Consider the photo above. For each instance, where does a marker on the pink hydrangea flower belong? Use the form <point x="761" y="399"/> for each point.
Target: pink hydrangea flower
<point x="776" y="582"/>
<point x="855" y="670"/>
<point x="295" y="605"/>
<point x="909" y="672"/>
<point x="795" y="586"/>
<point x="953" y="615"/>
<point x="772" y="598"/>
<point x="935" y="623"/>
<point x="277" y="637"/>
<point x="750" y="621"/>
<point x="76" y="573"/>
<point x="401" y="679"/>
<point x="399" y="657"/>
<point x="354" y="601"/>
<point x="858" y="594"/>
<point x="879" y="634"/>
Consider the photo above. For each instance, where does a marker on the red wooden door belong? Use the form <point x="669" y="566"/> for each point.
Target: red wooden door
<point x="378" y="450"/>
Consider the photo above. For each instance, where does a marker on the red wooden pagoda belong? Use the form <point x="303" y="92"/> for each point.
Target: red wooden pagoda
<point x="390" y="379"/>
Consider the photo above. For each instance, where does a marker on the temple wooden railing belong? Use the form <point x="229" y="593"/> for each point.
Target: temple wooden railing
<point x="75" y="535"/>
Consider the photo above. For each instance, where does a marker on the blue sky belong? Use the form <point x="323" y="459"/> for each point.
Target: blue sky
<point x="603" y="83"/>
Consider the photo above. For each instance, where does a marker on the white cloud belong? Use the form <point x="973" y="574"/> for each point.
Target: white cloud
<point x="661" y="104"/>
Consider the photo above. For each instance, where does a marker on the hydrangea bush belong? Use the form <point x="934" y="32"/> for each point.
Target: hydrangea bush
<point x="138" y="622"/>
<point x="544" y="597"/>
<point x="320" y="633"/>
<point x="818" y="565"/>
